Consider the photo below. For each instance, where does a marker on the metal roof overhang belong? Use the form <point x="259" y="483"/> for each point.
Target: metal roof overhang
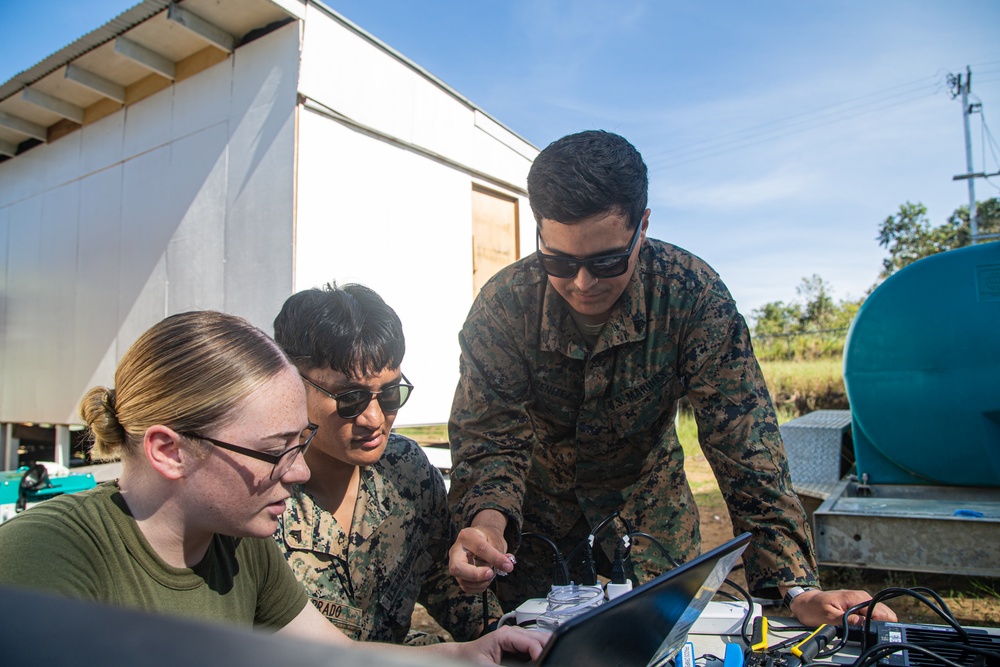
<point x="140" y="52"/>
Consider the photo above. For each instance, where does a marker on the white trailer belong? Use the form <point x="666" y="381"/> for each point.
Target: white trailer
<point x="223" y="154"/>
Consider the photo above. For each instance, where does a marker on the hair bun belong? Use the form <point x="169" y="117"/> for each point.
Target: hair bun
<point x="109" y="401"/>
<point x="99" y="411"/>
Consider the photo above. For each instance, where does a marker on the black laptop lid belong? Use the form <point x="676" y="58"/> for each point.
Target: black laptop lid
<point x="649" y="623"/>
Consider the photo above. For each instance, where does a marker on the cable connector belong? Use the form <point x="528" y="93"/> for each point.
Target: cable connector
<point x="759" y="638"/>
<point x="560" y="573"/>
<point x="733" y="656"/>
<point x="614" y="590"/>
<point x="588" y="577"/>
<point x="618" y="576"/>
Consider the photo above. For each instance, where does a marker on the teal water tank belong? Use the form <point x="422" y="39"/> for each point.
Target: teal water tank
<point x="922" y="371"/>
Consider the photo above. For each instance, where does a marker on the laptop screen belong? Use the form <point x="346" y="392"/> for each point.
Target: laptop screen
<point x="649" y="624"/>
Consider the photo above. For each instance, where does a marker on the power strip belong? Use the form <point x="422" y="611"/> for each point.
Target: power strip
<point x="530" y="610"/>
<point x="723" y="618"/>
<point x="718" y="618"/>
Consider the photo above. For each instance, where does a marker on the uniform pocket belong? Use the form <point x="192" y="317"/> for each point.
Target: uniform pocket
<point x="643" y="406"/>
<point x="402" y="591"/>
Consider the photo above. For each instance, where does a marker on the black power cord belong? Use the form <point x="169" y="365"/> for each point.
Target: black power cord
<point x="589" y="569"/>
<point x="940" y="608"/>
<point x="943" y="651"/>
<point x="659" y="545"/>
<point x="560" y="573"/>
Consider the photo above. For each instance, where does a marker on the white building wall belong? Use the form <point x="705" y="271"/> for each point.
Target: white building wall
<point x="400" y="224"/>
<point x="184" y="200"/>
<point x="376" y="206"/>
<point x="360" y="80"/>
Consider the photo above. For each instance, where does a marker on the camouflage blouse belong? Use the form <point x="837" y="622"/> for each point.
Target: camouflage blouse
<point x="367" y="579"/>
<point x="545" y="428"/>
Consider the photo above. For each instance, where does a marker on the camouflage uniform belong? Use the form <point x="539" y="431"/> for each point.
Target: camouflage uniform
<point x="557" y="435"/>
<point x="367" y="581"/>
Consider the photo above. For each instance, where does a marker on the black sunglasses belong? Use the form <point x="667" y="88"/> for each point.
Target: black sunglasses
<point x="280" y="463"/>
<point x="599" y="266"/>
<point x="353" y="402"/>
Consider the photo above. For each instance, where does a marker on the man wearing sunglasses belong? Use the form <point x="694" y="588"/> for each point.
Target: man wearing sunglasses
<point x="369" y="532"/>
<point x="573" y="361"/>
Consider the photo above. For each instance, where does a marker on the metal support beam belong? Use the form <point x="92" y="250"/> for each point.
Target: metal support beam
<point x="8" y="149"/>
<point x="147" y="58"/>
<point x="11" y="445"/>
<point x="979" y="174"/>
<point x="98" y="84"/>
<point x="53" y="104"/>
<point x="63" y="452"/>
<point x="209" y="32"/>
<point x="24" y="127"/>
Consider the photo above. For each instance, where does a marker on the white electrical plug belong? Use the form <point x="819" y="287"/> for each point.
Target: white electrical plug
<point x="617" y="590"/>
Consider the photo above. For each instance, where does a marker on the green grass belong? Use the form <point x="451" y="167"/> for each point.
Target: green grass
<point x="433" y="433"/>
<point x="800" y="346"/>
<point x="815" y="376"/>
<point x="799" y="387"/>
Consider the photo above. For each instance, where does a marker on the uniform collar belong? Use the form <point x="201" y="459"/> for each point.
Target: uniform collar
<point x="306" y="526"/>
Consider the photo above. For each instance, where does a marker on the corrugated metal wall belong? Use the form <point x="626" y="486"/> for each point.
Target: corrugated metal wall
<point x="181" y="201"/>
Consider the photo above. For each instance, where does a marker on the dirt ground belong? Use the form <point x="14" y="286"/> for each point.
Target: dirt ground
<point x="975" y="601"/>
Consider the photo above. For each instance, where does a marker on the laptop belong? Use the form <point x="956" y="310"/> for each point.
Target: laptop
<point x="649" y="624"/>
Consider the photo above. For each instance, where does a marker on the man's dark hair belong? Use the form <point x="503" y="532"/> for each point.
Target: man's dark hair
<point x="349" y="329"/>
<point x="587" y="173"/>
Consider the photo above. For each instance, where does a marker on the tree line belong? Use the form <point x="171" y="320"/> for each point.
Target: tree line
<point x="815" y="325"/>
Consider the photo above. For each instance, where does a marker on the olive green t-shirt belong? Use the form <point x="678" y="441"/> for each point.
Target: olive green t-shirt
<point x="87" y="545"/>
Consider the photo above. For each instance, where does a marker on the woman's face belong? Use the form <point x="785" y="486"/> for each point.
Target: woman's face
<point x="231" y="493"/>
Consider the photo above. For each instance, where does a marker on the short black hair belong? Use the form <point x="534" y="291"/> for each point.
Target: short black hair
<point x="349" y="329"/>
<point x="587" y="173"/>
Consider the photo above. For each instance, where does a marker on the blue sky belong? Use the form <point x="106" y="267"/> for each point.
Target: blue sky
<point x="779" y="133"/>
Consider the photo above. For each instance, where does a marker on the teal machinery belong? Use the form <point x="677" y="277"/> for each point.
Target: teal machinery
<point x="922" y="372"/>
<point x="29" y="485"/>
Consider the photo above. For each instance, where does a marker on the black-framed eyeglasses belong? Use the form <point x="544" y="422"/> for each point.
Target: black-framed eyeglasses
<point x="353" y="402"/>
<point x="599" y="266"/>
<point x="280" y="463"/>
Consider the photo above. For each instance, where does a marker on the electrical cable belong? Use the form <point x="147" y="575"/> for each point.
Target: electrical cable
<point x="564" y="602"/>
<point x="801" y="122"/>
<point x="943" y="611"/>
<point x="560" y="573"/>
<point x="589" y="575"/>
<point x="747" y="615"/>
<point x="486" y="613"/>
<point x="876" y="653"/>
<point x="663" y="549"/>
<point x="592" y="535"/>
<point x="618" y="575"/>
<point x="870" y="656"/>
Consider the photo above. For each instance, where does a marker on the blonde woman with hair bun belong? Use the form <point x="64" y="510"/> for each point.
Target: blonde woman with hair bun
<point x="208" y="417"/>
